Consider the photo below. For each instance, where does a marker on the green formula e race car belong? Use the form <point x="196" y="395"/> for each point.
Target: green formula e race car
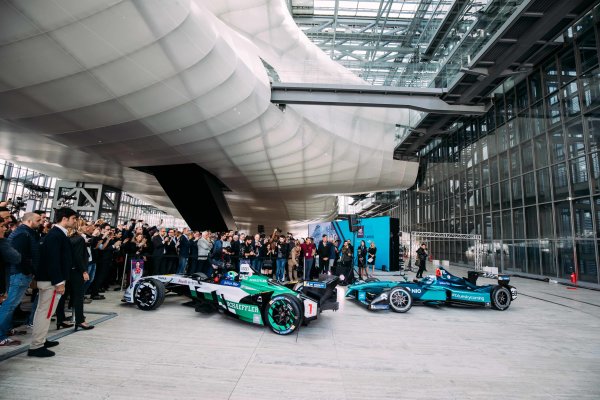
<point x="251" y="298"/>
<point x="443" y="288"/>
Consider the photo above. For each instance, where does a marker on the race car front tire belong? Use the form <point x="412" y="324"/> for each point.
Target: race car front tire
<point x="400" y="299"/>
<point x="501" y="298"/>
<point x="368" y="280"/>
<point x="149" y="294"/>
<point x="283" y="314"/>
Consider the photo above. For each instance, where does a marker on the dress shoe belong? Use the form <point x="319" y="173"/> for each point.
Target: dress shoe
<point x="98" y="297"/>
<point x="87" y="300"/>
<point x="63" y="325"/>
<point x="84" y="327"/>
<point x="41" y="352"/>
<point x="50" y="343"/>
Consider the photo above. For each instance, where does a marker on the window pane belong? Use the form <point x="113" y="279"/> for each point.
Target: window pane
<point x="495" y="196"/>
<point x="551" y="77"/>
<point x="557" y="145"/>
<point x="568" y="72"/>
<point x="586" y="256"/>
<point x="543" y="184"/>
<point x="535" y="86"/>
<point x="554" y="114"/>
<point x="533" y="257"/>
<point x="579" y="176"/>
<point x="590" y="83"/>
<point x="588" y="50"/>
<point x="522" y="98"/>
<point x="563" y="220"/>
<point x="571" y="99"/>
<point x="575" y="142"/>
<point x="546" y="221"/>
<point x="547" y="258"/>
<point x="503" y="165"/>
<point x="593" y="125"/>
<point x="529" y="188"/>
<point x="519" y="223"/>
<point x="527" y="156"/>
<point x="507" y="225"/>
<point x="564" y="251"/>
<point x="497" y="226"/>
<point x="485" y="173"/>
<point x="541" y="151"/>
<point x="517" y="192"/>
<point x="531" y="222"/>
<point x="560" y="181"/>
<point x="502" y="138"/>
<point x="505" y="192"/>
<point x="524" y="126"/>
<point x="493" y="170"/>
<point x="583" y="218"/>
<point x="538" y="118"/>
<point x="515" y="162"/>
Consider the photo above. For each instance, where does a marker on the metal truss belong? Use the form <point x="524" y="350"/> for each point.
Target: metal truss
<point x="387" y="42"/>
<point x="91" y="200"/>
<point x="478" y="248"/>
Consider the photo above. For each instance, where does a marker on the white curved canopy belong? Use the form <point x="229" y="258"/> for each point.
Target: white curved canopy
<point x="91" y="88"/>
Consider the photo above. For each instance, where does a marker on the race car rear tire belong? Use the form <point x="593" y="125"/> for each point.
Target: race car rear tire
<point x="283" y="314"/>
<point x="149" y="294"/>
<point x="501" y="298"/>
<point x="400" y="299"/>
<point x="371" y="280"/>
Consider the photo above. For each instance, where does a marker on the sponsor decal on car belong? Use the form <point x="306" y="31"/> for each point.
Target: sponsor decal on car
<point x="229" y="282"/>
<point x="415" y="290"/>
<point x="467" y="297"/>
<point x="242" y="307"/>
<point x="318" y="285"/>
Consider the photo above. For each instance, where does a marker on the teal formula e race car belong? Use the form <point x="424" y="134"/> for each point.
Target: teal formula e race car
<point x="443" y="288"/>
<point x="251" y="298"/>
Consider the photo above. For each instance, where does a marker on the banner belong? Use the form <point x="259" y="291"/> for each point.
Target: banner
<point x="137" y="270"/>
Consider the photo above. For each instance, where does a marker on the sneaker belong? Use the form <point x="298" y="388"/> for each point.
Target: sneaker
<point x="41" y="352"/>
<point x="29" y="326"/>
<point x="14" y="332"/>
<point x="9" y="342"/>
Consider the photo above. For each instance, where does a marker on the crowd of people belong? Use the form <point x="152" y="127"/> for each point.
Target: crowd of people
<point x="73" y="262"/>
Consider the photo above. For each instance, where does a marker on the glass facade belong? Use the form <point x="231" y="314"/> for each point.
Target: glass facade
<point x="526" y="176"/>
<point x="36" y="192"/>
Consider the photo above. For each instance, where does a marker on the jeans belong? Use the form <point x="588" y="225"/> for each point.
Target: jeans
<point x="280" y="273"/>
<point x="17" y="286"/>
<point x="257" y="264"/>
<point x="91" y="269"/>
<point x="308" y="264"/>
<point x="182" y="265"/>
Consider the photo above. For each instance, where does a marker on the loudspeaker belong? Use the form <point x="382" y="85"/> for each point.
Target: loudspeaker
<point x="261" y="229"/>
<point x="353" y="222"/>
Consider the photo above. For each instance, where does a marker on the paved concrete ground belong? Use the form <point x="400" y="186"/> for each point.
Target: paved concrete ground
<point x="546" y="346"/>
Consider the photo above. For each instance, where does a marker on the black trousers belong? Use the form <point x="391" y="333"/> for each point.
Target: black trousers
<point x="421" y="268"/>
<point x="77" y="295"/>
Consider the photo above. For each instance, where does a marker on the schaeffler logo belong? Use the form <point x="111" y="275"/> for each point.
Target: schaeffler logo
<point x="242" y="307"/>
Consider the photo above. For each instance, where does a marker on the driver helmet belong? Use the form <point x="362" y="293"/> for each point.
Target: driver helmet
<point x="232" y="275"/>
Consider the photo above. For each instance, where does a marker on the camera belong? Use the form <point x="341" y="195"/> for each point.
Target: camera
<point x="15" y="205"/>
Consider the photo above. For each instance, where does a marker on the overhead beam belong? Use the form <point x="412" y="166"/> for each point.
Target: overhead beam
<point x="420" y="99"/>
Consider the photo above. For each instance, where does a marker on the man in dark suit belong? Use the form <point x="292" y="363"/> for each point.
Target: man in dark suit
<point x="184" y="251"/>
<point x="56" y="260"/>
<point x="158" y="254"/>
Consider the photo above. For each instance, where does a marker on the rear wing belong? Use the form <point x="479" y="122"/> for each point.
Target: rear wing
<point x="323" y="291"/>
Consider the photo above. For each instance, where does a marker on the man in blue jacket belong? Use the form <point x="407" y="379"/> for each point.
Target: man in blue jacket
<point x="56" y="260"/>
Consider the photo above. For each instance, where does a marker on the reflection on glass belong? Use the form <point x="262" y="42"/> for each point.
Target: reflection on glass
<point x="517" y="193"/>
<point x="575" y="142"/>
<point x="550" y="77"/>
<point x="579" y="176"/>
<point x="568" y="71"/>
<point x="529" y="188"/>
<point x="584" y="227"/>
<point x="590" y="83"/>
<point x="541" y="151"/>
<point x="543" y="185"/>
<point x="586" y="257"/>
<point x="531" y="222"/>
<point x="546" y="221"/>
<point x="571" y="99"/>
<point x="563" y="219"/>
<point x="588" y="51"/>
<point x="518" y="223"/>
<point x="547" y="258"/>
<point x="560" y="181"/>
<point x="533" y="257"/>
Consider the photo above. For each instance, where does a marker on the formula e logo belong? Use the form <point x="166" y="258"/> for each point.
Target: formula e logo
<point x="415" y="290"/>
